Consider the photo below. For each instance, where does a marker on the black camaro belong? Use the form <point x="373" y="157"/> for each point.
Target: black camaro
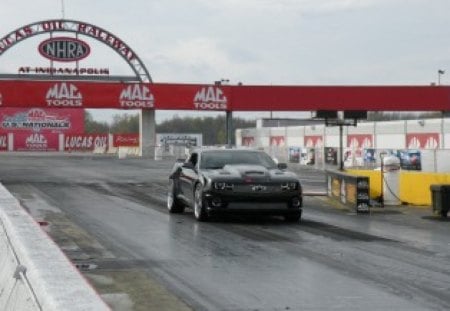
<point x="234" y="180"/>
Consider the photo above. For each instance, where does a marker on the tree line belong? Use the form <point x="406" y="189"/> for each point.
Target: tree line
<point x="212" y="128"/>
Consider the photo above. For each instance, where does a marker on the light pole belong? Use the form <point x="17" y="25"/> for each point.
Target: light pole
<point x="440" y="73"/>
<point x="382" y="155"/>
<point x="228" y="117"/>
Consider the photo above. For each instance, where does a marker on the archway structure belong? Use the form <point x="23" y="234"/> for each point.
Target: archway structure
<point x="73" y="89"/>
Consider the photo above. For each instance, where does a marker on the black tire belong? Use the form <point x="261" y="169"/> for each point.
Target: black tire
<point x="173" y="204"/>
<point x="444" y="213"/>
<point x="293" y="217"/>
<point x="200" y="212"/>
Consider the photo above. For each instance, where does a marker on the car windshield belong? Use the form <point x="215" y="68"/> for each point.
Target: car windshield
<point x="218" y="159"/>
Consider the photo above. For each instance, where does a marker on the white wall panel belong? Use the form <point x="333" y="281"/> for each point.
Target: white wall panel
<point x="390" y="141"/>
<point x="295" y="141"/>
<point x="424" y="126"/>
<point x="391" y="127"/>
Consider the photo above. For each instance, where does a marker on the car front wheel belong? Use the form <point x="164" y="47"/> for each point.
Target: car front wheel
<point x="173" y="204"/>
<point x="199" y="204"/>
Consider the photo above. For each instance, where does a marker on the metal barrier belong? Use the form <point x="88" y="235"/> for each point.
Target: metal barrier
<point x="16" y="293"/>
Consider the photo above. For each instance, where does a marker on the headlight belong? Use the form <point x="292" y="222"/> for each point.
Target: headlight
<point x="219" y="185"/>
<point x="292" y="185"/>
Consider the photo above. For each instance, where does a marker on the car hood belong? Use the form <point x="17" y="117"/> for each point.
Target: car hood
<point x="254" y="172"/>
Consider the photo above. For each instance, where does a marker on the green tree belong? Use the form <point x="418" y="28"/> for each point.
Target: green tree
<point x="94" y="127"/>
<point x="125" y="124"/>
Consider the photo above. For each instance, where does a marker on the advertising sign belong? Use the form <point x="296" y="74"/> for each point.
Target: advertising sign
<point x="248" y="141"/>
<point x="126" y="140"/>
<point x="85" y="142"/>
<point x="312" y="141"/>
<point x="34" y="120"/>
<point x="331" y="155"/>
<point x="350" y="190"/>
<point x="422" y="140"/>
<point x="294" y="154"/>
<point x="188" y="140"/>
<point x="64" y="49"/>
<point x="369" y="156"/>
<point x="36" y="142"/>
<point x="410" y="159"/>
<point x="277" y="140"/>
<point x="359" y="140"/>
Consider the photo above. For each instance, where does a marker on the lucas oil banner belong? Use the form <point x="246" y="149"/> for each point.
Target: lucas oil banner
<point x="85" y="142"/>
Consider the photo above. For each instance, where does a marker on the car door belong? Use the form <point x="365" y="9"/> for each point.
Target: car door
<point x="188" y="177"/>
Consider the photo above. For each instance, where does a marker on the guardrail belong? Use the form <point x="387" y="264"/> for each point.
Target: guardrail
<point x="34" y="273"/>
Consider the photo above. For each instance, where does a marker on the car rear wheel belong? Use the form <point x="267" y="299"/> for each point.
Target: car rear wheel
<point x="199" y="204"/>
<point x="173" y="204"/>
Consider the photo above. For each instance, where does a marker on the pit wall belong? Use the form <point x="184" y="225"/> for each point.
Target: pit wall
<point x="414" y="186"/>
<point x="34" y="273"/>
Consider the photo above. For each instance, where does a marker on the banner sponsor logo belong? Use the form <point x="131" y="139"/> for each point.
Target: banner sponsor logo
<point x="422" y="140"/>
<point x="36" y="141"/>
<point x="277" y="140"/>
<point x="64" y="95"/>
<point x="210" y="98"/>
<point x="248" y="140"/>
<point x="35" y="119"/>
<point x="126" y="140"/>
<point x="136" y="96"/>
<point x="360" y="140"/>
<point x="64" y="49"/>
<point x="313" y="141"/>
<point x="85" y="141"/>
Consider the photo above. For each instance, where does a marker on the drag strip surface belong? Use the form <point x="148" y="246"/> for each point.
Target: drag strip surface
<point x="109" y="217"/>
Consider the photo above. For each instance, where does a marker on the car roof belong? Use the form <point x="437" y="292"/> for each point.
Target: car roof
<point x="226" y="150"/>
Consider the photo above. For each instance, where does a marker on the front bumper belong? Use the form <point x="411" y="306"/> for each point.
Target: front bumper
<point x="287" y="203"/>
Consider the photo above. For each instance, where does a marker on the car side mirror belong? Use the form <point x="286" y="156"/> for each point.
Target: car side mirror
<point x="282" y="166"/>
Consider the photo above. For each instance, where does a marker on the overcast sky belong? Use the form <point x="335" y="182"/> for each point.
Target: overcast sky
<point x="306" y="42"/>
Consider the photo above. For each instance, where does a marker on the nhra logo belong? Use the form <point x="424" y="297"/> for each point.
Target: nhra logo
<point x="210" y="98"/>
<point x="64" y="49"/>
<point x="136" y="96"/>
<point x="64" y="95"/>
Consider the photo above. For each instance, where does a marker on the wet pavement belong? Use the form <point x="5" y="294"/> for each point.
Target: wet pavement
<point x="108" y="216"/>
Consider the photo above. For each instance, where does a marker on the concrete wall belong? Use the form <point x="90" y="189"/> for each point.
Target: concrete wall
<point x="34" y="273"/>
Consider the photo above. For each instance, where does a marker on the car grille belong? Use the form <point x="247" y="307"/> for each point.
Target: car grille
<point x="256" y="188"/>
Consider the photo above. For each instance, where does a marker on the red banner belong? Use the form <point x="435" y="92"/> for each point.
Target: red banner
<point x="277" y="140"/>
<point x="82" y="94"/>
<point x="422" y="140"/>
<point x="126" y="140"/>
<point x="3" y="142"/>
<point x="313" y="141"/>
<point x="359" y="140"/>
<point x="36" y="142"/>
<point x="44" y="120"/>
<point x="248" y="141"/>
<point x="85" y="142"/>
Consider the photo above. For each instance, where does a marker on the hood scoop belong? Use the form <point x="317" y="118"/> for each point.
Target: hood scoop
<point x="253" y="173"/>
